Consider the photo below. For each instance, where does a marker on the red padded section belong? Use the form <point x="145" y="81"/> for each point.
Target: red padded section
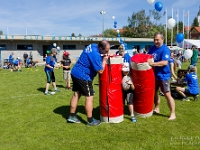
<point x="144" y="82"/>
<point x="110" y="89"/>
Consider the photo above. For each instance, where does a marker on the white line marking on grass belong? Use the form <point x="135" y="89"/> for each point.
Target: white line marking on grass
<point x="20" y="96"/>
<point x="25" y="95"/>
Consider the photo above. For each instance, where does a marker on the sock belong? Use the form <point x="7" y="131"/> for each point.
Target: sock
<point x="72" y="114"/>
<point x="46" y="91"/>
<point x="132" y="116"/>
<point x="55" y="89"/>
<point x="90" y="119"/>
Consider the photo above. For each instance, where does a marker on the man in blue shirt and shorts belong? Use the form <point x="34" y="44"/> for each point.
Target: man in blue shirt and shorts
<point x="161" y="55"/>
<point x="91" y="61"/>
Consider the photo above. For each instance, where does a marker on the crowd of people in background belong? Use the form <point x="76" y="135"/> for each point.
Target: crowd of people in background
<point x="93" y="60"/>
<point x="15" y="63"/>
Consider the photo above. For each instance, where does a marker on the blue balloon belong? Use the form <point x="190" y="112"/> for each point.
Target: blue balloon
<point x="121" y="41"/>
<point x="115" y="22"/>
<point x="115" y="26"/>
<point x="179" y="37"/>
<point x="158" y="6"/>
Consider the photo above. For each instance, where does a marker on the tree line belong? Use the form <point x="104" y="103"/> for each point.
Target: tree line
<point x="144" y="24"/>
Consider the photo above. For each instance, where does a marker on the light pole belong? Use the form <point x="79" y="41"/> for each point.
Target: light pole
<point x="102" y="13"/>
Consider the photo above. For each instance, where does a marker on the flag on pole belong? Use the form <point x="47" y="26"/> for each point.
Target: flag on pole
<point x="164" y="13"/>
<point x="186" y="14"/>
<point x="177" y="14"/>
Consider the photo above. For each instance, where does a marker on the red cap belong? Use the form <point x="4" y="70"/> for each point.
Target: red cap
<point x="66" y="53"/>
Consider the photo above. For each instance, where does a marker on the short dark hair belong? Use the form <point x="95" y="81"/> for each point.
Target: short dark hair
<point x="159" y="33"/>
<point x="53" y="50"/>
<point x="192" y="68"/>
<point x="103" y="44"/>
<point x="193" y="46"/>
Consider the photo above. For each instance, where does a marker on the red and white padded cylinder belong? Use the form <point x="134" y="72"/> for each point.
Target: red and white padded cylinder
<point x="144" y="82"/>
<point x="110" y="90"/>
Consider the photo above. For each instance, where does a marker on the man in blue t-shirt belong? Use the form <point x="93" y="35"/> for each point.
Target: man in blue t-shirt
<point x="192" y="83"/>
<point x="161" y="55"/>
<point x="91" y="61"/>
<point x="49" y="67"/>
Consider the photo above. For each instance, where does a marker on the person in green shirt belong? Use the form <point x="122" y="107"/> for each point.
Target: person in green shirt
<point x="194" y="57"/>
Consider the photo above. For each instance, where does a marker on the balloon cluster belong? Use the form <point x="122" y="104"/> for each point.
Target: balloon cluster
<point x="158" y="5"/>
<point x="123" y="43"/>
<point x="115" y="22"/>
<point x="115" y="26"/>
<point x="54" y="46"/>
<point x="118" y="35"/>
<point x="170" y="23"/>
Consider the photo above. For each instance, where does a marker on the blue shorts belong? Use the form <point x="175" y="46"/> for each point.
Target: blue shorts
<point x="193" y="63"/>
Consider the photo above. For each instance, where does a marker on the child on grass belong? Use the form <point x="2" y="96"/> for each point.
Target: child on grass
<point x="66" y="64"/>
<point x="49" y="67"/>
<point x="128" y="88"/>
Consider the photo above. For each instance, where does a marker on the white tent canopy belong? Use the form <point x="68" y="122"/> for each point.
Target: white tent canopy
<point x="173" y="48"/>
<point x="191" y="42"/>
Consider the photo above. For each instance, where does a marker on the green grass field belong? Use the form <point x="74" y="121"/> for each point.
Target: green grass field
<point x="31" y="121"/>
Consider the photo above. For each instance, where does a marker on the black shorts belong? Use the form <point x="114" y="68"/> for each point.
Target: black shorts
<point x="163" y="84"/>
<point x="82" y="86"/>
<point x="187" y="92"/>
<point x="128" y="96"/>
<point x="50" y="76"/>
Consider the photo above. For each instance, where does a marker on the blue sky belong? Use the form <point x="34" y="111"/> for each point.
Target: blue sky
<point x="63" y="17"/>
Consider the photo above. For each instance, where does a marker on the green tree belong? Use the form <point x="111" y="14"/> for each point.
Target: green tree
<point x="110" y="33"/>
<point x="73" y="35"/>
<point x="180" y="27"/>
<point x="195" y="22"/>
<point x="80" y="35"/>
<point x="1" y="32"/>
<point x="140" y="24"/>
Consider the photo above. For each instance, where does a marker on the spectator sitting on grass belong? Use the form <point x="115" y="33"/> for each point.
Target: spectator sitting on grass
<point x="17" y="66"/>
<point x="192" y="84"/>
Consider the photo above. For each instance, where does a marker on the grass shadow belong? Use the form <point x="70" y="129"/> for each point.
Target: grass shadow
<point x="41" y="89"/>
<point x="159" y="114"/>
<point x="65" y="111"/>
<point x="126" y="110"/>
<point x="60" y="86"/>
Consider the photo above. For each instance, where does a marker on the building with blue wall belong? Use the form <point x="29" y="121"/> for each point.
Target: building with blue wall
<point x="39" y="44"/>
